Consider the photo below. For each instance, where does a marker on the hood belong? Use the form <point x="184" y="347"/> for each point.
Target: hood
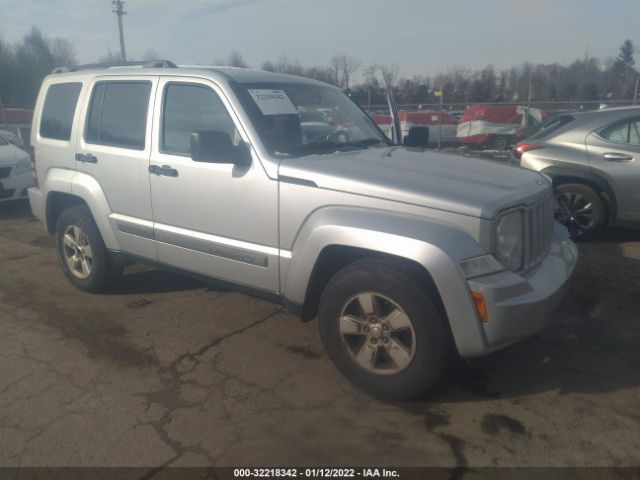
<point x="10" y="155"/>
<point x="469" y="186"/>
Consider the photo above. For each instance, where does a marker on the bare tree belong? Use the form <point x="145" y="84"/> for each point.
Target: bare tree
<point x="344" y="67"/>
<point x="389" y="75"/>
<point x="236" y="59"/>
<point x="109" y="57"/>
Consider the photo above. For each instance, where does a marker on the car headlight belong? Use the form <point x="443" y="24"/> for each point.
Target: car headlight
<point x="23" y="166"/>
<point x="509" y="240"/>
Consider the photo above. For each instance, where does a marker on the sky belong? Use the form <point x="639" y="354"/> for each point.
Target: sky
<point x="418" y="36"/>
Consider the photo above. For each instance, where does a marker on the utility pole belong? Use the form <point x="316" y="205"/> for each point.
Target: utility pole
<point x="635" y="91"/>
<point x="118" y="9"/>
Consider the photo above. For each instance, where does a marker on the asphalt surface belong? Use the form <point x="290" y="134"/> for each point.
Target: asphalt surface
<point x="169" y="371"/>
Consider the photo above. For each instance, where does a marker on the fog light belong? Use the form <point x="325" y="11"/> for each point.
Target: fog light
<point x="481" y="307"/>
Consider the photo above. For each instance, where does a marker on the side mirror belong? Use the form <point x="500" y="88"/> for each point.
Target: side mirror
<point x="217" y="147"/>
<point x="417" y="137"/>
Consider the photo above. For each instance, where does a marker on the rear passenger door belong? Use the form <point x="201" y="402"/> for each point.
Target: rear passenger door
<point x="614" y="153"/>
<point x="114" y="149"/>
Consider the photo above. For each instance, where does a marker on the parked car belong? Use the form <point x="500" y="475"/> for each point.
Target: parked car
<point x="497" y="126"/>
<point x="18" y="122"/>
<point x="431" y="120"/>
<point x="593" y="159"/>
<point x="15" y="169"/>
<point x="404" y="256"/>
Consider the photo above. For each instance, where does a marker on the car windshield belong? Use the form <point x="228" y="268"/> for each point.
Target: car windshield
<point x="304" y="119"/>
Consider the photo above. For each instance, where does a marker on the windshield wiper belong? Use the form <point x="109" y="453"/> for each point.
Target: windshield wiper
<point x="328" y="147"/>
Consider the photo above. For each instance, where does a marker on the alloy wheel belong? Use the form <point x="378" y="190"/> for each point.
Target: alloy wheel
<point x="77" y="252"/>
<point x="575" y="211"/>
<point x="377" y="333"/>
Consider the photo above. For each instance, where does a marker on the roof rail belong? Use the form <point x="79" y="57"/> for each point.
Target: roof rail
<point x="100" y="66"/>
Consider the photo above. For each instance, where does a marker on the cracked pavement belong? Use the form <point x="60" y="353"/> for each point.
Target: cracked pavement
<point x="170" y="371"/>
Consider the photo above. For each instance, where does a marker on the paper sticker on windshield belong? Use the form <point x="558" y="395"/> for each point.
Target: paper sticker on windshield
<point x="273" y="102"/>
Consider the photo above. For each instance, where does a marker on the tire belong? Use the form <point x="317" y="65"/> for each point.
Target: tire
<point x="581" y="209"/>
<point x="500" y="142"/>
<point x="401" y="368"/>
<point x="82" y="253"/>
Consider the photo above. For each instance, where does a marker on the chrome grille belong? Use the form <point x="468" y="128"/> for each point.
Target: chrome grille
<point x="538" y="231"/>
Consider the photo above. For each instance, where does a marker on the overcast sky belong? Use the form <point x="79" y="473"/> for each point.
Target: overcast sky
<point x="419" y="36"/>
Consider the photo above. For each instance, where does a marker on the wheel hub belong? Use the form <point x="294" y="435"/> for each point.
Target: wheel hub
<point x="377" y="333"/>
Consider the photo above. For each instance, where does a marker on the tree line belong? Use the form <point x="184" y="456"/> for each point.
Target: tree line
<point x="23" y="64"/>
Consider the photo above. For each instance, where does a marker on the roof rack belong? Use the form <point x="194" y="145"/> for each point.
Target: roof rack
<point x="100" y="66"/>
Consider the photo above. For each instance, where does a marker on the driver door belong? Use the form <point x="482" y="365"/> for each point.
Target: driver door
<point x="215" y="219"/>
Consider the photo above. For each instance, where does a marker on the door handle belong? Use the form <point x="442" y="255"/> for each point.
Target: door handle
<point x="617" y="157"/>
<point x="86" y="158"/>
<point x="164" y="170"/>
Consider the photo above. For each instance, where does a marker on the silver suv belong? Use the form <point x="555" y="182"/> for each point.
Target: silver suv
<point x="594" y="161"/>
<point x="284" y="188"/>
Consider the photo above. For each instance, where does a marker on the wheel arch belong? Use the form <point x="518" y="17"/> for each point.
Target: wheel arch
<point x="430" y="250"/>
<point x="80" y="189"/>
<point x="561" y="176"/>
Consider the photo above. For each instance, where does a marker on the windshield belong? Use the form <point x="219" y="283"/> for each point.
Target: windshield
<point x="302" y="119"/>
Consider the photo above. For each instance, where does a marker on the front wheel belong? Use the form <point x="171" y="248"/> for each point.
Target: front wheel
<point x="382" y="330"/>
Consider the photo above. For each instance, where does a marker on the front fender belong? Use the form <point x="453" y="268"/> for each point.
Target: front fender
<point x="437" y="246"/>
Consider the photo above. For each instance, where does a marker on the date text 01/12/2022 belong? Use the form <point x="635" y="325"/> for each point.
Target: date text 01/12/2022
<point x="315" y="473"/>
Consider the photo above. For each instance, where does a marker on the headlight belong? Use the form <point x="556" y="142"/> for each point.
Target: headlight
<point x="509" y="240"/>
<point x="23" y="166"/>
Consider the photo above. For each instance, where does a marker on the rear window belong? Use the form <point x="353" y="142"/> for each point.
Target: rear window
<point x="552" y="125"/>
<point x="57" y="113"/>
<point x="118" y="114"/>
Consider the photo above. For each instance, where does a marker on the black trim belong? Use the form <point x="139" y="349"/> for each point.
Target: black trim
<point x="237" y="254"/>
<point x="297" y="181"/>
<point x="100" y="66"/>
<point x="127" y="258"/>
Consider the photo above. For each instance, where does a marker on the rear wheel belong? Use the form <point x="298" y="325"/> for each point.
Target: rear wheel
<point x="82" y="252"/>
<point x="500" y="142"/>
<point x="581" y="209"/>
<point x="382" y="330"/>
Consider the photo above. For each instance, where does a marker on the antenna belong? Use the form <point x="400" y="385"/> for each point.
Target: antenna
<point x="118" y="9"/>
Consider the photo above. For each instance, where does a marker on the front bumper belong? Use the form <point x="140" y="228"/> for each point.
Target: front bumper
<point x="14" y="187"/>
<point x="520" y="305"/>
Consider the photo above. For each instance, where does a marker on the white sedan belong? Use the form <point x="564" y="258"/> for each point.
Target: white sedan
<point x="15" y="171"/>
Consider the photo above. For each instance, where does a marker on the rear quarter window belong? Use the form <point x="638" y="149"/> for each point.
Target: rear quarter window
<point x="551" y="126"/>
<point x="58" y="110"/>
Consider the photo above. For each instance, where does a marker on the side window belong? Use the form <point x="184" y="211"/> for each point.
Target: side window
<point x="634" y="133"/>
<point x="57" y="113"/>
<point x="118" y="114"/>
<point x="191" y="108"/>
<point x="618" y="132"/>
<point x="627" y="131"/>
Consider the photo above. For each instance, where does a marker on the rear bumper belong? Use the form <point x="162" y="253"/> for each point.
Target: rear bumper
<point x="520" y="305"/>
<point x="36" y="200"/>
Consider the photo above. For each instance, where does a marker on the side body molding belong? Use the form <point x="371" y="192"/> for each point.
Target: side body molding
<point x="437" y="246"/>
